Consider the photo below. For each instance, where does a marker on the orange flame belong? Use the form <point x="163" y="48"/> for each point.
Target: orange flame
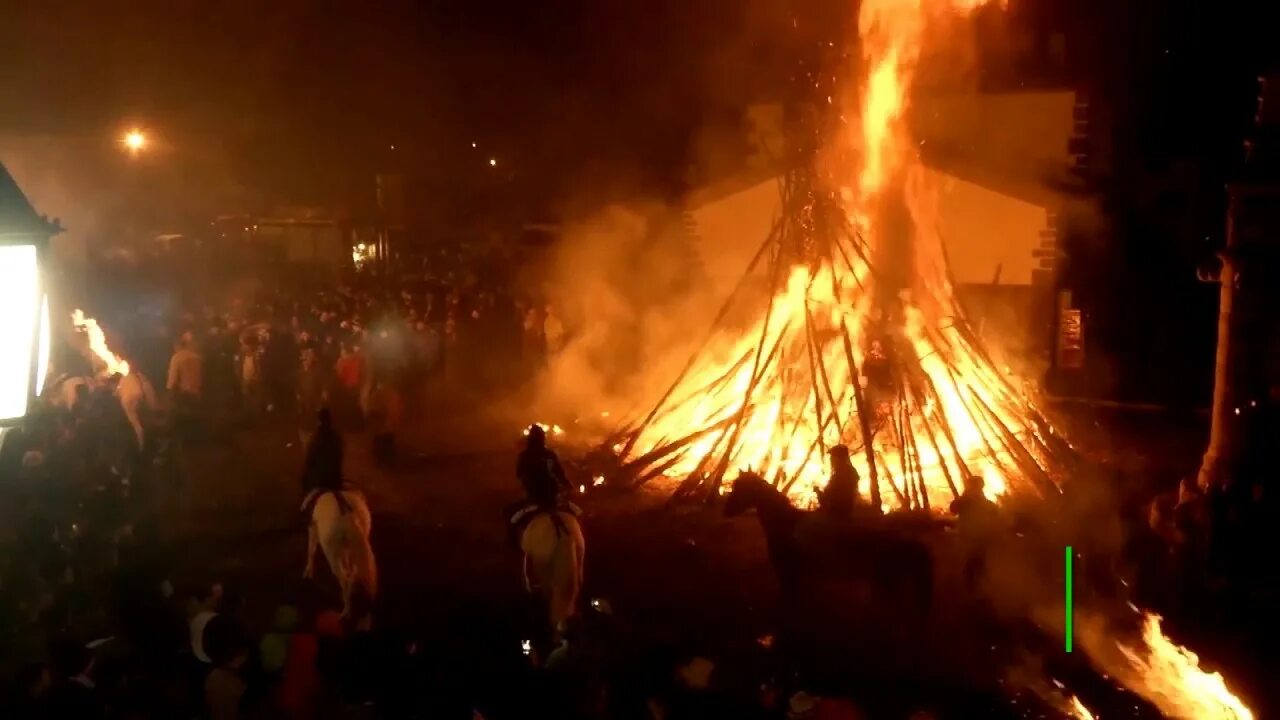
<point x="1078" y="710"/>
<point x="965" y="417"/>
<point x="1169" y="676"/>
<point x="113" y="364"/>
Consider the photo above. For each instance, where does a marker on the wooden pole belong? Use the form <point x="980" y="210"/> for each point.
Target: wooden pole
<point x="855" y="378"/>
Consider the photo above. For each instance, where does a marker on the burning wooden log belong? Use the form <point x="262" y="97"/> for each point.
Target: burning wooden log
<point x="777" y="395"/>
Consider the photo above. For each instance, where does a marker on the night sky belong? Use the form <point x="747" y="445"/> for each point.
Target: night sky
<point x="302" y="92"/>
<point x="303" y="99"/>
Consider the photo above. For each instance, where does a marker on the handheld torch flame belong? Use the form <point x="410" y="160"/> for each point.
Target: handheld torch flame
<point x="114" y="364"/>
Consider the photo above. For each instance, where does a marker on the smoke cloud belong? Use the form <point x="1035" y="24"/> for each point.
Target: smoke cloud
<point x="627" y="283"/>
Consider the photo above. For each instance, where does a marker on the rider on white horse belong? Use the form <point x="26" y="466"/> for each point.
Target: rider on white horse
<point x="339" y="522"/>
<point x="322" y="470"/>
<point x="543" y="480"/>
<point x="548" y="531"/>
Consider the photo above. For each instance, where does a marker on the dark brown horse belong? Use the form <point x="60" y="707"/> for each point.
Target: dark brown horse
<point x="898" y="567"/>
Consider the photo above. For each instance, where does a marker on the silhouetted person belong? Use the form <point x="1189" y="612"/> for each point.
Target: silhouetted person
<point x="839" y="498"/>
<point x="977" y="519"/>
<point x="539" y="471"/>
<point x="322" y="469"/>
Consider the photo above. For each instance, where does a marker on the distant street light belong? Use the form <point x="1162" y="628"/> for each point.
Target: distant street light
<point x="493" y="162"/>
<point x="134" y="141"/>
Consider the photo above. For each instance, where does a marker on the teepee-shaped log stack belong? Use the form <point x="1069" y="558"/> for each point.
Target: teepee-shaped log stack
<point x="849" y="342"/>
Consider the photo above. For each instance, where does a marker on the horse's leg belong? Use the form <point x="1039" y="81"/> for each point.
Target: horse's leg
<point x="528" y="581"/>
<point x="580" y="555"/>
<point x="347" y="583"/>
<point x="313" y="542"/>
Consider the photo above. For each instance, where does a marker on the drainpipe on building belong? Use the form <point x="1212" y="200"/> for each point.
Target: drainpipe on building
<point x="1224" y="429"/>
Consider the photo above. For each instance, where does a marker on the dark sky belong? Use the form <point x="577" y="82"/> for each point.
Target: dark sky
<point x="304" y="98"/>
<point x="297" y="91"/>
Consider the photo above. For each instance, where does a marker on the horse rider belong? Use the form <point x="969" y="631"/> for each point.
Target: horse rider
<point x="839" y="499"/>
<point x="542" y="478"/>
<point x="322" y="469"/>
<point x="977" y="520"/>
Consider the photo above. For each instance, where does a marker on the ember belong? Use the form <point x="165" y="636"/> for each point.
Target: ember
<point x="862" y="342"/>
<point x="112" y="364"/>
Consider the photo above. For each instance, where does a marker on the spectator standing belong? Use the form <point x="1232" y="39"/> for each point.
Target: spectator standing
<point x="533" y="342"/>
<point x="312" y="392"/>
<point x="186" y="383"/>
<point x="553" y="331"/>
<point x="350" y="380"/>
<point x="384" y="412"/>
<point x="250" y="366"/>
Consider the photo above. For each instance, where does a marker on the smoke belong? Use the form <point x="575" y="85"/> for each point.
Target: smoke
<point x="626" y="284"/>
<point x="59" y="184"/>
<point x="1119" y="648"/>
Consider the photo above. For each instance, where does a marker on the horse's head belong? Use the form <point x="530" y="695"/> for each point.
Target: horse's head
<point x="749" y="490"/>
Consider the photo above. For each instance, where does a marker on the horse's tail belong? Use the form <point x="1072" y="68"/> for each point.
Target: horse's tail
<point x="557" y="522"/>
<point x="357" y="565"/>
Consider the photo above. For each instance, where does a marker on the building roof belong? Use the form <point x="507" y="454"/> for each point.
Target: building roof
<point x="17" y="217"/>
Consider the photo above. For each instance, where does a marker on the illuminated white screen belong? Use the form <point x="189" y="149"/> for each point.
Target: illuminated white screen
<point x="18" y="286"/>
<point x="42" y="360"/>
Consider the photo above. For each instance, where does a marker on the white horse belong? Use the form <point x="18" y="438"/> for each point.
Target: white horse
<point x="63" y="392"/>
<point x="553" y="563"/>
<point x="343" y="535"/>
<point x="139" y="402"/>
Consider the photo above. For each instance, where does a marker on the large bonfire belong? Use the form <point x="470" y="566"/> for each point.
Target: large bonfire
<point x="857" y="339"/>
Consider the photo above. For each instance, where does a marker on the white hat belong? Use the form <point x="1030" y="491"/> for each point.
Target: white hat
<point x="802" y="705"/>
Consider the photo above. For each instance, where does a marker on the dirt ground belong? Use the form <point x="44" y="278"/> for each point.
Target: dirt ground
<point x="684" y="576"/>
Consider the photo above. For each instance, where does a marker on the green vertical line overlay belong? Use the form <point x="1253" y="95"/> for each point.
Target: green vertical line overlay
<point x="1069" y="612"/>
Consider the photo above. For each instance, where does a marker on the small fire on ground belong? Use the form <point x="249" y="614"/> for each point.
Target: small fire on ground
<point x="1169" y="677"/>
<point x="113" y="364"/>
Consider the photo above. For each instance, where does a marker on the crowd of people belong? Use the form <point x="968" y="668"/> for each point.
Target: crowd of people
<point x="98" y="619"/>
<point x="99" y="622"/>
<point x="101" y="618"/>
<point x="369" y="354"/>
<point x="95" y="625"/>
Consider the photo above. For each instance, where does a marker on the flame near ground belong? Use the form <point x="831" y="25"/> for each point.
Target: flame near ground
<point x="1169" y="677"/>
